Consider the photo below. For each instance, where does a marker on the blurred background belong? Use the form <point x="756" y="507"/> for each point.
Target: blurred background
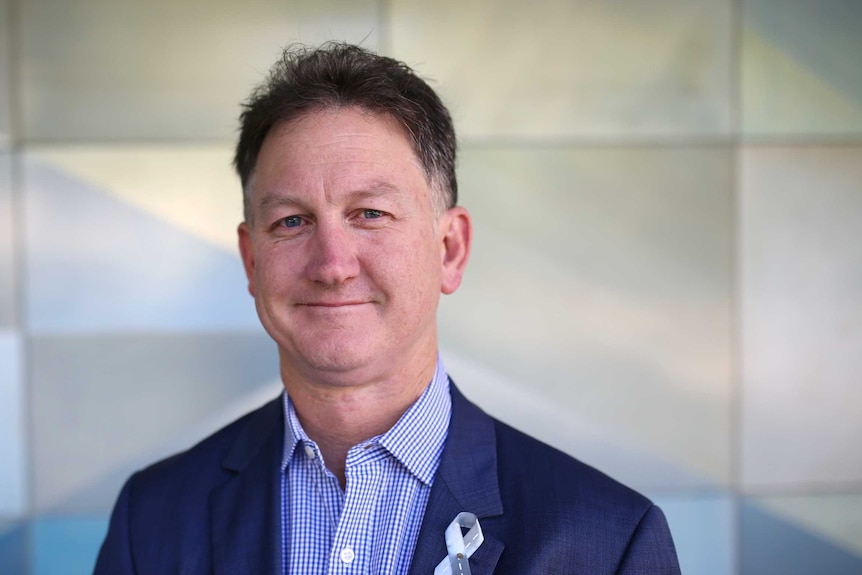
<point x="666" y="282"/>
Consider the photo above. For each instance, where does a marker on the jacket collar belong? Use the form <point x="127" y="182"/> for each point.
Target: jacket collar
<point x="245" y="510"/>
<point x="466" y="481"/>
<point x="246" y="521"/>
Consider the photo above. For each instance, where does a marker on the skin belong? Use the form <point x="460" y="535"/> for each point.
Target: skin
<point x="346" y="261"/>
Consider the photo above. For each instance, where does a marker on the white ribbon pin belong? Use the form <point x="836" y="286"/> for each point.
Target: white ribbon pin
<point x="460" y="547"/>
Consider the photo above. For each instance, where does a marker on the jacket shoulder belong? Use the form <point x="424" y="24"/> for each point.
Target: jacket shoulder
<point x="226" y="449"/>
<point x="161" y="521"/>
<point x="584" y="520"/>
<point x="527" y="464"/>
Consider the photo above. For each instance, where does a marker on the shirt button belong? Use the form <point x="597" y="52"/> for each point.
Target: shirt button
<point x="347" y="555"/>
<point x="309" y="451"/>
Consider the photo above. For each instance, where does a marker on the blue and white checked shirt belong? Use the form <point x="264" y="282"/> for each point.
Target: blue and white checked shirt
<point x="372" y="526"/>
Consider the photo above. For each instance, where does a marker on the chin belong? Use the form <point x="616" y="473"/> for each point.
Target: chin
<point x="335" y="357"/>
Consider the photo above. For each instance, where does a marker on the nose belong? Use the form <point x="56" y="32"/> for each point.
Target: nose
<point x="333" y="258"/>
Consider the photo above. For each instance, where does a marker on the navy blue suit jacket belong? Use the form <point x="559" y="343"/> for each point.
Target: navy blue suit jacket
<point x="214" y="508"/>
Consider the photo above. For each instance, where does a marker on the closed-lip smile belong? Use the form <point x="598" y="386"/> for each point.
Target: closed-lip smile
<point x="332" y="303"/>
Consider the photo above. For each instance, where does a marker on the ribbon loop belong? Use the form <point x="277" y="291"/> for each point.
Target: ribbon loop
<point x="460" y="547"/>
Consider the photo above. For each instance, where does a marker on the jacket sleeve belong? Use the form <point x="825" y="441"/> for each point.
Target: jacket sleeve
<point x="115" y="557"/>
<point x="650" y="550"/>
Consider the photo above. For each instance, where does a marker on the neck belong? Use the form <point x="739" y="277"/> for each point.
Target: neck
<point x="338" y="417"/>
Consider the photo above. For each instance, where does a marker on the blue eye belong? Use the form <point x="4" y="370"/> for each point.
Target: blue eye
<point x="371" y="214"/>
<point x="292" y="221"/>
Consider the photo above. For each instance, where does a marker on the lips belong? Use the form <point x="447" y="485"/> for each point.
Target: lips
<point x="333" y="304"/>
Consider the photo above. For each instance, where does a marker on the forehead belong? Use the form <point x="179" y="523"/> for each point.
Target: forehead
<point x="340" y="129"/>
<point x="337" y="142"/>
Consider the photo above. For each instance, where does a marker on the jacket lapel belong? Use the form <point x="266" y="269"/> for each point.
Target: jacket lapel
<point x="246" y="527"/>
<point x="466" y="481"/>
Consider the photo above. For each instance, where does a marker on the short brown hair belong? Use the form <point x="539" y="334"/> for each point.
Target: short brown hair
<point x="337" y="75"/>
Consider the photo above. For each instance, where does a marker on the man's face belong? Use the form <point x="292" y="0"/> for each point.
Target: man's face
<point x="344" y="254"/>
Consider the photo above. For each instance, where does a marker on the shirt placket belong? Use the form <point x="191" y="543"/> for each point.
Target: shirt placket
<point x="351" y="549"/>
<point x="313" y="487"/>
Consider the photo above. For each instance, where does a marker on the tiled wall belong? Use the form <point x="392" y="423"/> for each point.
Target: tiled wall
<point x="666" y="282"/>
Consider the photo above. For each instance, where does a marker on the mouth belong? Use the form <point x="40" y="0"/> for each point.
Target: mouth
<point x="333" y="304"/>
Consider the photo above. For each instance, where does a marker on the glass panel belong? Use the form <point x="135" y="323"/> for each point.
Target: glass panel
<point x="801" y="315"/>
<point x="67" y="545"/>
<point x="704" y="532"/>
<point x="106" y="405"/>
<point x="13" y="493"/>
<point x="800" y="67"/>
<point x="162" y="69"/>
<point x="550" y="69"/>
<point x="134" y="238"/>
<point x="798" y="535"/>
<point x="595" y="310"/>
<point x="13" y="547"/>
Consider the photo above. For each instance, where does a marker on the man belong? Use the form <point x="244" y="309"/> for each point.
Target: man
<point x="351" y="232"/>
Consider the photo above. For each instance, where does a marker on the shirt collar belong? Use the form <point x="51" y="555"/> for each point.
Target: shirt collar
<point x="417" y="438"/>
<point x="293" y="431"/>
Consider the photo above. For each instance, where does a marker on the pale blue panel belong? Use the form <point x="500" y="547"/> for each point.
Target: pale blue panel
<point x="100" y="69"/>
<point x="67" y="545"/>
<point x="96" y="264"/>
<point x="772" y="544"/>
<point x="13" y="493"/>
<point x="703" y="530"/>
<point x="801" y="67"/>
<point x="106" y="405"/>
<point x="7" y="243"/>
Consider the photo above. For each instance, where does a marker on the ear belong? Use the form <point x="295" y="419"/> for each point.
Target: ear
<point x="456" y="232"/>
<point x="247" y="253"/>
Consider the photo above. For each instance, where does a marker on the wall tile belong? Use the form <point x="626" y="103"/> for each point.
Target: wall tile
<point x="162" y="69"/>
<point x="7" y="244"/>
<point x="560" y="69"/>
<point x="13" y="491"/>
<point x="704" y="531"/>
<point x="836" y="517"/>
<point x="800" y="67"/>
<point x="14" y="539"/>
<point x="67" y="545"/>
<point x="801" y="315"/>
<point x="136" y="238"/>
<point x="802" y="534"/>
<point x="600" y="303"/>
<point x="110" y="404"/>
<point x="599" y="285"/>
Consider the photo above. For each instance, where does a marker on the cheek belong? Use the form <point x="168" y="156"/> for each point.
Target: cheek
<point x="274" y="267"/>
<point x="416" y="273"/>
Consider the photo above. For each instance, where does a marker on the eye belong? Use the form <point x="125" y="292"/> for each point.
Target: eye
<point x="371" y="214"/>
<point x="292" y="221"/>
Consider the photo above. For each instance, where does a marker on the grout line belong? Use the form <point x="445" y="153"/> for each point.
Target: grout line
<point x="736" y="319"/>
<point x="651" y="143"/>
<point x="801" y="489"/>
<point x="154" y="333"/>
<point x="492" y="142"/>
<point x="126" y="142"/>
<point x="20" y="290"/>
<point x="685" y="492"/>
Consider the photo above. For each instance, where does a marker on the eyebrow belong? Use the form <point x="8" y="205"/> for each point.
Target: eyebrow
<point x="375" y="189"/>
